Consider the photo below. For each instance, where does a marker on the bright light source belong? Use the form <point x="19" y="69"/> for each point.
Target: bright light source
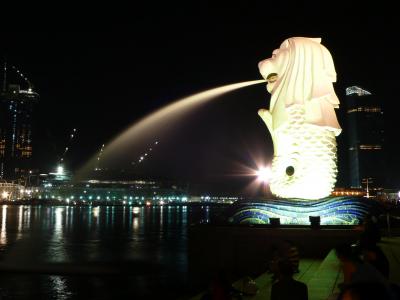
<point x="60" y="170"/>
<point x="264" y="174"/>
<point x="161" y="202"/>
<point x="5" y="194"/>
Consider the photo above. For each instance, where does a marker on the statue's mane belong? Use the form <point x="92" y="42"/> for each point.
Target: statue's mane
<point x="307" y="80"/>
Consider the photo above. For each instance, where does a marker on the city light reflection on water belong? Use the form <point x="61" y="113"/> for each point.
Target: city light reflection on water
<point x="137" y="236"/>
<point x="20" y="217"/>
<point x="3" y="230"/>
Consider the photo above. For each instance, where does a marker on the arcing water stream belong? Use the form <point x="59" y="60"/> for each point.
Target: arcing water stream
<point x="164" y="117"/>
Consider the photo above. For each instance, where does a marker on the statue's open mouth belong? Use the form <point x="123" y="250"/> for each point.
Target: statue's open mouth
<point x="272" y="77"/>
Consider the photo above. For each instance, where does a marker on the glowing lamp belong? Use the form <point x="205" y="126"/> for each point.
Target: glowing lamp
<point x="60" y="170"/>
<point x="5" y="194"/>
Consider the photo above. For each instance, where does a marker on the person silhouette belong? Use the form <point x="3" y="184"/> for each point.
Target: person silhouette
<point x="286" y="287"/>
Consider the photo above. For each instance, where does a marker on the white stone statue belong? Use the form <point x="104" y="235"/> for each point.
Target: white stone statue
<point x="301" y="118"/>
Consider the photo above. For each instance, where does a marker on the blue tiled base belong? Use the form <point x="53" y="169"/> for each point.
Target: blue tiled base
<point x="331" y="210"/>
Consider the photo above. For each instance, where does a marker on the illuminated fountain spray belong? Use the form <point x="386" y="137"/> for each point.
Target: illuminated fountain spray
<point x="163" y="117"/>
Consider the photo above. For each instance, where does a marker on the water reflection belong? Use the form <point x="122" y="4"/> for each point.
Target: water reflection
<point x="56" y="249"/>
<point x="95" y="235"/>
<point x="123" y="216"/>
<point x="207" y="216"/>
<point x="59" y="287"/>
<point x="96" y="211"/>
<point x="135" y="224"/>
<point x="161" y="216"/>
<point x="112" y="215"/>
<point x="26" y="219"/>
<point x="58" y="214"/>
<point x="20" y="220"/>
<point x="3" y="230"/>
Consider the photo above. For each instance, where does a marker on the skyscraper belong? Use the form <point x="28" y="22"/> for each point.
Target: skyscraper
<point x="16" y="117"/>
<point x="365" y="138"/>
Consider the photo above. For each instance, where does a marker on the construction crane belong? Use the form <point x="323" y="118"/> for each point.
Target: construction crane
<point x="19" y="74"/>
<point x="60" y="171"/>
<point x="97" y="166"/>
<point x="146" y="154"/>
<point x="22" y="76"/>
<point x="70" y="139"/>
<point x="136" y="162"/>
<point x="13" y="91"/>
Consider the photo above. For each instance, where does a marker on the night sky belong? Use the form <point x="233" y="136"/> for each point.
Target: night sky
<point x="101" y="72"/>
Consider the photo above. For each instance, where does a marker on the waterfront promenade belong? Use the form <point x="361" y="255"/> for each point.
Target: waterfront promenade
<point x="322" y="276"/>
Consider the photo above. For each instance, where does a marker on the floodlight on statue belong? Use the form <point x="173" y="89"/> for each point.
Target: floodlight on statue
<point x="301" y="118"/>
<point x="264" y="174"/>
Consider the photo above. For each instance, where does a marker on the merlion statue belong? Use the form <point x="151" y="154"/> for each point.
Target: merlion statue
<point x="301" y="118"/>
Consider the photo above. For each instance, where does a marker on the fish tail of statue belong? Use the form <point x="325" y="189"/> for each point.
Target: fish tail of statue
<point x="307" y="167"/>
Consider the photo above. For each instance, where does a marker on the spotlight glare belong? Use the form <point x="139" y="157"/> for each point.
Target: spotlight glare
<point x="60" y="170"/>
<point x="5" y="194"/>
<point x="264" y="174"/>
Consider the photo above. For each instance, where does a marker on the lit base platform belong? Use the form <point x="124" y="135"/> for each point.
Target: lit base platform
<point x="331" y="210"/>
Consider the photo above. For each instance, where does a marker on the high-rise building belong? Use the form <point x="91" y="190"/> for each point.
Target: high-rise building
<point x="16" y="125"/>
<point x="365" y="138"/>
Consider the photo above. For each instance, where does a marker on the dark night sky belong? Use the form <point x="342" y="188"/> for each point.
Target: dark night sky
<point x="103" y="72"/>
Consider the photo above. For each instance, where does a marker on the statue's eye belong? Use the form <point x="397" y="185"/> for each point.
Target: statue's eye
<point x="290" y="171"/>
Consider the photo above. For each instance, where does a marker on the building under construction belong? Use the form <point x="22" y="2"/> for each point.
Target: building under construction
<point x="17" y="101"/>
